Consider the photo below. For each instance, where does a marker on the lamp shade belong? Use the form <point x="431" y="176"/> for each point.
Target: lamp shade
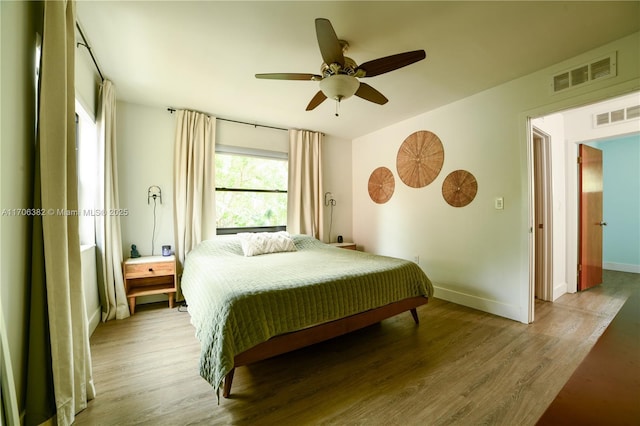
<point x="339" y="86"/>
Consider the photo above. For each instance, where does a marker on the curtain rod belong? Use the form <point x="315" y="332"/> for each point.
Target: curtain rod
<point x="85" y="44"/>
<point x="172" y="110"/>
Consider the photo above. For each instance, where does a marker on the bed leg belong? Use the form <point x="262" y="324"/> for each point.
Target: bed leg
<point x="414" y="314"/>
<point x="228" y="379"/>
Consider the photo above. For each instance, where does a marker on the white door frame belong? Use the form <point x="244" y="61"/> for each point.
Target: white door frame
<point x="548" y="212"/>
<point x="544" y="184"/>
<point x="571" y="181"/>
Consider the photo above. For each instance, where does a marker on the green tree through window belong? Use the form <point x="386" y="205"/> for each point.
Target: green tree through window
<point x="251" y="191"/>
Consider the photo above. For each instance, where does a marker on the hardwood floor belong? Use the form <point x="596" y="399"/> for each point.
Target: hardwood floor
<point x="605" y="388"/>
<point x="459" y="366"/>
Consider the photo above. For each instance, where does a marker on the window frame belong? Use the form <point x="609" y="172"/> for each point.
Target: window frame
<point x="257" y="153"/>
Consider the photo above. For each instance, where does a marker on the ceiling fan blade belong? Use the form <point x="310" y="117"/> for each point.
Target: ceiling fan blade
<point x="330" y="47"/>
<point x="390" y="63"/>
<point x="370" y="94"/>
<point x="316" y="100"/>
<point x="290" y="76"/>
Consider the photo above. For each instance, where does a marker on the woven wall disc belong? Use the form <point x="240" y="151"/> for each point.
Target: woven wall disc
<point x="459" y="188"/>
<point x="381" y="185"/>
<point x="420" y="159"/>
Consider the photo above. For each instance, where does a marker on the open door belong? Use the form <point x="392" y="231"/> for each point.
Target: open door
<point x="591" y="223"/>
<point x="542" y="231"/>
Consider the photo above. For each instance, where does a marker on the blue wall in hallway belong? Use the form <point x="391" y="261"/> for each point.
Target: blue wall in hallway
<point x="621" y="199"/>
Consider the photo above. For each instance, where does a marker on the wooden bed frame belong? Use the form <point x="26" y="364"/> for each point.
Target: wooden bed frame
<point x="308" y="336"/>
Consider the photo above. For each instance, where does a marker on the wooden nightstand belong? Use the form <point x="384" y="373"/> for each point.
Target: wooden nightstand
<point x="148" y="275"/>
<point x="345" y="245"/>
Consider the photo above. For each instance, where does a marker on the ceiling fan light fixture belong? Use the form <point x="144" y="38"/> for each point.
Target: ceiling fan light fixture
<point x="339" y="74"/>
<point x="339" y="86"/>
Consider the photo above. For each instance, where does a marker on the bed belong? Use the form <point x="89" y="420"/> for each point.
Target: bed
<point x="247" y="307"/>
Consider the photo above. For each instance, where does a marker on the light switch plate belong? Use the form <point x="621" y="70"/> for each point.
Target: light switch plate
<point x="499" y="203"/>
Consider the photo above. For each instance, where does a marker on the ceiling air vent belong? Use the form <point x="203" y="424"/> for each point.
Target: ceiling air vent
<point x="617" y="116"/>
<point x="598" y="69"/>
<point x="602" y="119"/>
<point x="633" y="112"/>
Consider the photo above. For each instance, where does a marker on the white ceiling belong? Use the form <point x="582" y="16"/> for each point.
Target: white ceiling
<point x="203" y="55"/>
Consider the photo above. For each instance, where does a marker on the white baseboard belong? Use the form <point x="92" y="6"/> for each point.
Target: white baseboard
<point x="94" y="319"/>
<point x="486" y="305"/>
<point x="559" y="290"/>
<point x="622" y="267"/>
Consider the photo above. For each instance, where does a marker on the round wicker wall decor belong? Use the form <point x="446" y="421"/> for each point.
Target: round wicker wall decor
<point x="459" y="188"/>
<point x="420" y="159"/>
<point x="381" y="185"/>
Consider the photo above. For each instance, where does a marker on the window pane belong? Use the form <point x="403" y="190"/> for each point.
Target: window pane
<point x="87" y="164"/>
<point x="239" y="171"/>
<point x="248" y="209"/>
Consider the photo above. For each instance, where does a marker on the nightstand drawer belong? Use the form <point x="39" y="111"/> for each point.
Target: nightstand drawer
<point x="143" y="270"/>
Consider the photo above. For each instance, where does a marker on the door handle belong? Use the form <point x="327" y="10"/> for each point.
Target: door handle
<point x="603" y="224"/>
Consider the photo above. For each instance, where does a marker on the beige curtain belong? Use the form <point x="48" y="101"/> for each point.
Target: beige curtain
<point x="193" y="181"/>
<point x="60" y="250"/>
<point x="8" y="399"/>
<point x="108" y="232"/>
<point x="304" y="201"/>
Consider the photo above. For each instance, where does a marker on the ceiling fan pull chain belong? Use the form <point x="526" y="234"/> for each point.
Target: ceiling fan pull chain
<point x="338" y="107"/>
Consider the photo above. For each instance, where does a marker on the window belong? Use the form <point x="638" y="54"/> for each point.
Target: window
<point x="38" y="61"/>
<point x="251" y="190"/>
<point x="87" y="164"/>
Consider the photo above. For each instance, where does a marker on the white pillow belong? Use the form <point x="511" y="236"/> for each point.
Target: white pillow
<point x="257" y="243"/>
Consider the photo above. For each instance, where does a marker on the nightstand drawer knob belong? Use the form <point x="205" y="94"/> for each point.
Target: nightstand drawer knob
<point x="150" y="269"/>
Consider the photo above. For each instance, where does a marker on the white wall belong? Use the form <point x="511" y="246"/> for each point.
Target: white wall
<point x="337" y="176"/>
<point x="581" y="128"/>
<point x="475" y="255"/>
<point x="145" y="157"/>
<point x="87" y="80"/>
<point x="254" y="137"/>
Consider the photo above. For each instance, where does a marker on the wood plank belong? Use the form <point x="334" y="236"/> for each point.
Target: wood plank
<point x="605" y="388"/>
<point x="461" y="366"/>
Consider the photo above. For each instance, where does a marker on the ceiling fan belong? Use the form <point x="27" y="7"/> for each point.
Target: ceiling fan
<point x="339" y="74"/>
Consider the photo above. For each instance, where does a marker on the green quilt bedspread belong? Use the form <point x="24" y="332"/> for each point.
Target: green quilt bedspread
<point x="236" y="302"/>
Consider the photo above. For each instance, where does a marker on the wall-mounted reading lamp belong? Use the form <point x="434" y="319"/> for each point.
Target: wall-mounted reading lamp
<point x="329" y="201"/>
<point x="154" y="192"/>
